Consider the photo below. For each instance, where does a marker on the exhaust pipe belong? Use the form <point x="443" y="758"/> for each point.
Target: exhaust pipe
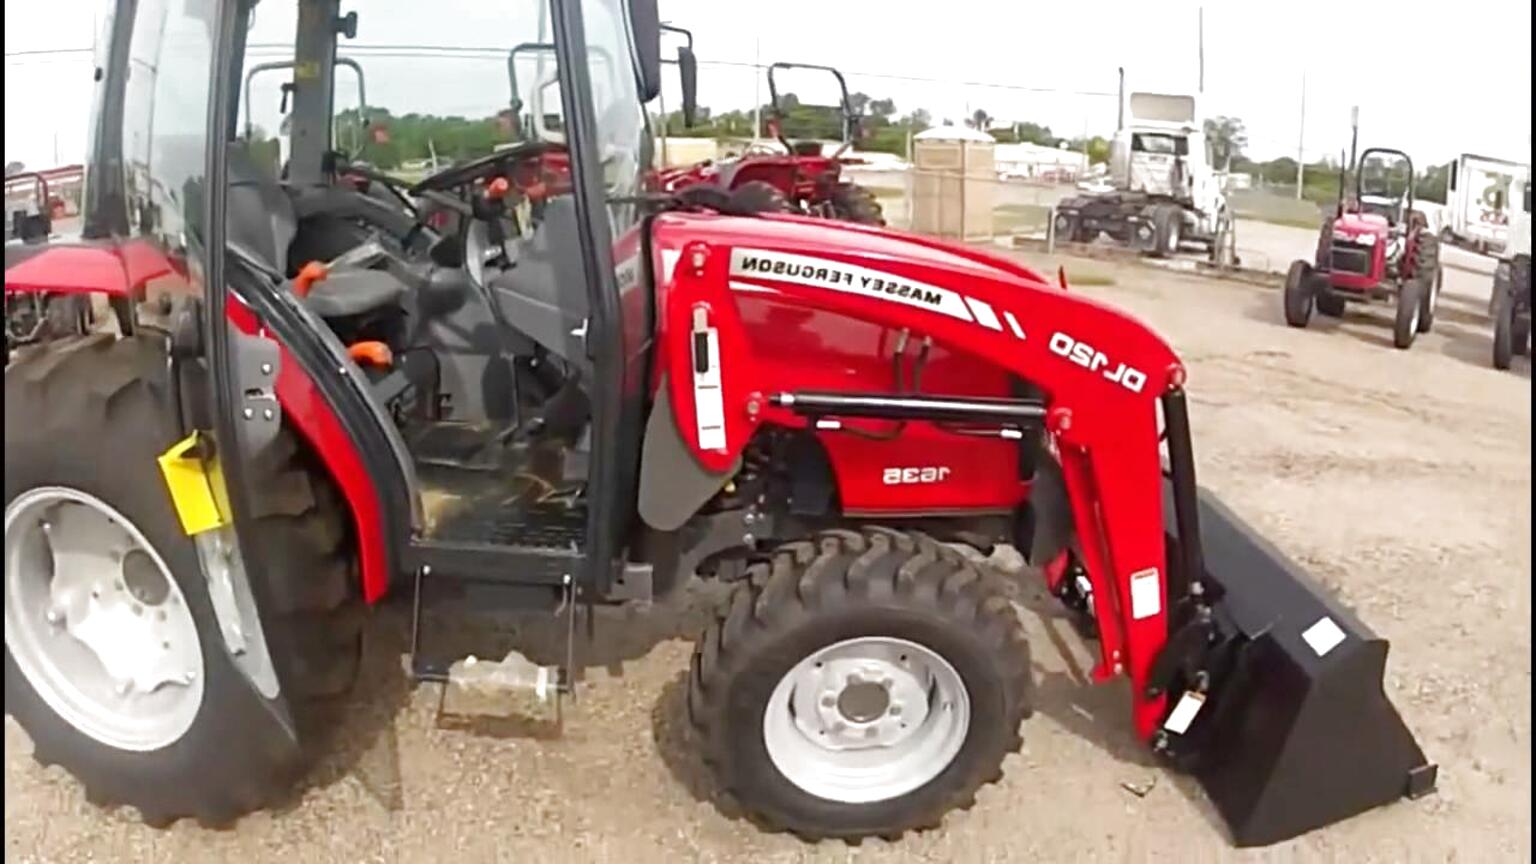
<point x="1278" y="707"/>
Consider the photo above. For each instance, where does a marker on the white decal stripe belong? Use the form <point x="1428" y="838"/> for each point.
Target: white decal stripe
<point x="814" y="272"/>
<point x="984" y="314"/>
<point x="1014" y="323"/>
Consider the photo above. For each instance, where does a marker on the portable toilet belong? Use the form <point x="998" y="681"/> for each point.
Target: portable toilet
<point x="954" y="176"/>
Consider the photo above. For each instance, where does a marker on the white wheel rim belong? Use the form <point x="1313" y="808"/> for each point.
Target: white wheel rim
<point x="866" y="719"/>
<point x="96" y="623"/>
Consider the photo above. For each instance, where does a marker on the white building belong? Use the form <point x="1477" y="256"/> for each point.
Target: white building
<point x="1038" y="162"/>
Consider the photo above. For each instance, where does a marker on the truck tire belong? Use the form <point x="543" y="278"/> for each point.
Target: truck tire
<point x="1168" y="228"/>
<point x="1298" y="295"/>
<point x="854" y="203"/>
<point x="1427" y="270"/>
<point x="1329" y="303"/>
<point x="1410" y="310"/>
<point x="187" y="735"/>
<point x="873" y="635"/>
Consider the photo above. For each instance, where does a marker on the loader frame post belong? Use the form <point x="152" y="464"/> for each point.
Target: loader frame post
<point x="314" y="69"/>
<point x="1183" y="579"/>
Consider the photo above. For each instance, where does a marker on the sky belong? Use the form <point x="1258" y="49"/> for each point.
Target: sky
<point x="1457" y="80"/>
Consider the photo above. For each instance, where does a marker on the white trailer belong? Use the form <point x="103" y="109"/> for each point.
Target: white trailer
<point x="1477" y="199"/>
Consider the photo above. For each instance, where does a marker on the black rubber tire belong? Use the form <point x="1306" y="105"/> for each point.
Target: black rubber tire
<point x="1427" y="270"/>
<point x="1298" y="297"/>
<point x="93" y="413"/>
<point x="842" y="585"/>
<point x="1410" y="306"/>
<point x="1329" y="303"/>
<point x="1168" y="230"/>
<point x="1503" y="330"/>
<point x="758" y="196"/>
<point x="853" y="203"/>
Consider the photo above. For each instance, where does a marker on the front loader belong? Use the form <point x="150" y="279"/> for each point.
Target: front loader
<point x="580" y="394"/>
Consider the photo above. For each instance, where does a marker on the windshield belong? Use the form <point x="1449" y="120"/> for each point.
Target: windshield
<point x="1165" y="145"/>
<point x="1384" y="176"/>
<point x="450" y="81"/>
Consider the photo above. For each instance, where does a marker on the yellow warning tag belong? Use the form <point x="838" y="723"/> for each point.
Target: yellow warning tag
<point x="191" y="481"/>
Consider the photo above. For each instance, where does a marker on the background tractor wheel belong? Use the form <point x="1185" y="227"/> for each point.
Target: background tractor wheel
<point x="1298" y="294"/>
<point x="863" y="684"/>
<point x="115" y="664"/>
<point x="1427" y="270"/>
<point x="853" y="203"/>
<point x="758" y="196"/>
<point x="1410" y="310"/>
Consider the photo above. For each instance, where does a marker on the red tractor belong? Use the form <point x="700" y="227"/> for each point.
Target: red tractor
<point x="580" y="395"/>
<point x="1376" y="248"/>
<point x="803" y="178"/>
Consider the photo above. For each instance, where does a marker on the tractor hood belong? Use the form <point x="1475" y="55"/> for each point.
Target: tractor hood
<point x="1355" y="225"/>
<point x="844" y="240"/>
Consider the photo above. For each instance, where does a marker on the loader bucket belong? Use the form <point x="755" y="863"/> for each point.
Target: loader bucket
<point x="1295" y="732"/>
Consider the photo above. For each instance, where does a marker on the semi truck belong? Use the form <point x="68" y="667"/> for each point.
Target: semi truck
<point x="1165" y="190"/>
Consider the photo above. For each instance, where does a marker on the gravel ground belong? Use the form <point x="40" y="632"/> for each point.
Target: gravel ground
<point x="1402" y="479"/>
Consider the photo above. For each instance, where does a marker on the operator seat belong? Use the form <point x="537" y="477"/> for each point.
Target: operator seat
<point x="544" y="294"/>
<point x="262" y="222"/>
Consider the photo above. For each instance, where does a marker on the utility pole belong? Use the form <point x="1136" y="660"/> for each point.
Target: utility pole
<point x="1354" y="132"/>
<point x="1301" y="137"/>
<point x="757" y="88"/>
<point x="1201" y="91"/>
<point x="1120" y="114"/>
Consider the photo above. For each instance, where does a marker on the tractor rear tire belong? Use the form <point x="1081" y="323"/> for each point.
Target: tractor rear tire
<point x="854" y="203"/>
<point x="1298" y="294"/>
<point x="897" y="591"/>
<point x="1410" y="310"/>
<point x="1427" y="270"/>
<point x="89" y="417"/>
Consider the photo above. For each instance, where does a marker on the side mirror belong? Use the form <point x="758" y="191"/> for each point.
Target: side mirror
<point x="688" y="71"/>
<point x="346" y="25"/>
<point x="646" y="23"/>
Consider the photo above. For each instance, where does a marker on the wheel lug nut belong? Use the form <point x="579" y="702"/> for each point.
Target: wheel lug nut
<point x="895" y="711"/>
<point x="871" y="732"/>
<point x="828" y="701"/>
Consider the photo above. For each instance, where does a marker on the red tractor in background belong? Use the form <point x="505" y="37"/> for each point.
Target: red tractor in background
<point x="802" y="179"/>
<point x="1376" y="247"/>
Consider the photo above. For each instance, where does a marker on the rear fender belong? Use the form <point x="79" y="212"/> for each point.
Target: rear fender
<point x="357" y="447"/>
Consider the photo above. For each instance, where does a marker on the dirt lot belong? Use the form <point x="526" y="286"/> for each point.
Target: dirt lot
<point x="1402" y="479"/>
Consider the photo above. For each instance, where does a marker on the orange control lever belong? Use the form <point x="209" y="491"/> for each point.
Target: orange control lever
<point x="371" y="354"/>
<point x="309" y="274"/>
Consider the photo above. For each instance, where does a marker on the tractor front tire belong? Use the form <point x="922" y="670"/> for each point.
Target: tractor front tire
<point x="85" y="422"/>
<point x="1504" y="330"/>
<point x="930" y="649"/>
<point x="1427" y="270"/>
<point x="1410" y="311"/>
<point x="1298" y="294"/>
<point x="854" y="203"/>
<point x="1329" y="303"/>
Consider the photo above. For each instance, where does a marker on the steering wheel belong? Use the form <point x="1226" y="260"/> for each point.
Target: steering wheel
<point x="486" y="166"/>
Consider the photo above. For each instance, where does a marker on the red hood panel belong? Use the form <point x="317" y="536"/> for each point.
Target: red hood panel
<point x="1361" y="223"/>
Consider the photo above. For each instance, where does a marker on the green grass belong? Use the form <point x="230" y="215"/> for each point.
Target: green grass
<point x="1018" y="218"/>
<point x="1089" y="278"/>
